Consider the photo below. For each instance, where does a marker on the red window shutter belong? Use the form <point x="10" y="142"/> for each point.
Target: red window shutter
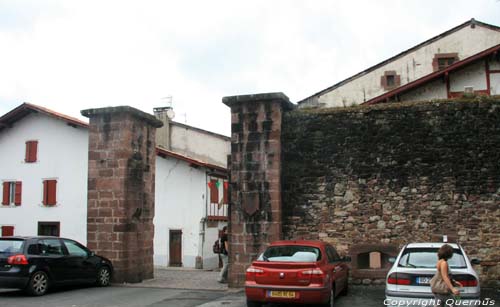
<point x="7" y="231"/>
<point x="6" y="193"/>
<point x="51" y="192"/>
<point x="31" y="151"/>
<point x="19" y="193"/>
<point x="225" y="191"/>
<point x="214" y="192"/>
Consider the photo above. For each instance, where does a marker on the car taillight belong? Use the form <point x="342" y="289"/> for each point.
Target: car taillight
<point x="399" y="279"/>
<point x="17" y="259"/>
<point x="252" y="272"/>
<point x="466" y="280"/>
<point x="315" y="275"/>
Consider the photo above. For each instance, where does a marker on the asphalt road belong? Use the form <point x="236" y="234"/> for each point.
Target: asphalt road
<point x="160" y="297"/>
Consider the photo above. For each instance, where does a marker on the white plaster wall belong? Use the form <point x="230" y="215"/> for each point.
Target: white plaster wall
<point x="180" y="193"/>
<point x="495" y="83"/>
<point x="206" y="147"/>
<point x="472" y="75"/>
<point x="211" y="260"/>
<point x="432" y="90"/>
<point x="466" y="42"/>
<point x="62" y="155"/>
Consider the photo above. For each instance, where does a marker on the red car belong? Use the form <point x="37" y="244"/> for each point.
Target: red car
<point x="306" y="272"/>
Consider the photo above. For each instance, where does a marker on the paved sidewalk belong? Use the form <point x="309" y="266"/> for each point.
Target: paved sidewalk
<point x="184" y="278"/>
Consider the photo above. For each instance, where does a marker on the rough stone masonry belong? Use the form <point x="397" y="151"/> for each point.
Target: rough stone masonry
<point x="367" y="179"/>
<point x="121" y="177"/>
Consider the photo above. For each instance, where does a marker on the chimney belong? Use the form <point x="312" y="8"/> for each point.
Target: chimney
<point x="164" y="114"/>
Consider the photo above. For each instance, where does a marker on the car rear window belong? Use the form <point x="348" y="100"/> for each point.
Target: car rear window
<point x="11" y="246"/>
<point x="427" y="258"/>
<point x="291" y="253"/>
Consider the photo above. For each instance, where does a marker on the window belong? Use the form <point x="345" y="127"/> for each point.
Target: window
<point x="51" y="247"/>
<point x="390" y="80"/>
<point x="7" y="231"/>
<point x="31" y="151"/>
<point x="443" y="60"/>
<point x="426" y="258"/>
<point x="49" y="229"/>
<point x="12" y="191"/>
<point x="75" y="249"/>
<point x="332" y="254"/>
<point x="291" y="253"/>
<point x="214" y="191"/>
<point x="49" y="192"/>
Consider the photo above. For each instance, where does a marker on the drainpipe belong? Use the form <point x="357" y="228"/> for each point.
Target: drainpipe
<point x="201" y="238"/>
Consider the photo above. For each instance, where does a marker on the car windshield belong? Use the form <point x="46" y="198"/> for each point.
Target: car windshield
<point x="291" y="253"/>
<point x="10" y="246"/>
<point x="427" y="258"/>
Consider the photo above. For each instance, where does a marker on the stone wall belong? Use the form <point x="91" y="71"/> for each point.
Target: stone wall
<point x="374" y="178"/>
<point x="121" y="176"/>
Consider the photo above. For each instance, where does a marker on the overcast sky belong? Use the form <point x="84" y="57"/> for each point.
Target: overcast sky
<point x="74" y="55"/>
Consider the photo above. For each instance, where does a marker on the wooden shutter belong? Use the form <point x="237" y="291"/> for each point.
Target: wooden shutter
<point x="49" y="192"/>
<point x="6" y="193"/>
<point x="19" y="193"/>
<point x="31" y="151"/>
<point x="7" y="231"/>
<point x="214" y="192"/>
<point x="225" y="191"/>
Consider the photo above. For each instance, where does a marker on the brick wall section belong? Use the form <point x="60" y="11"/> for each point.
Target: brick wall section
<point x="120" y="207"/>
<point x="396" y="173"/>
<point x="255" y="215"/>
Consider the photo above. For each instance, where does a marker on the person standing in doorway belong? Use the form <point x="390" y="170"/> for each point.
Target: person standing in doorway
<point x="224" y="256"/>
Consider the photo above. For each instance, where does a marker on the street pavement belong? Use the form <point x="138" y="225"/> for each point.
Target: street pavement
<point x="177" y="288"/>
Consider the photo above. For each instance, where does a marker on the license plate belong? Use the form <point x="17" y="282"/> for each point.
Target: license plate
<point x="423" y="280"/>
<point x="281" y="294"/>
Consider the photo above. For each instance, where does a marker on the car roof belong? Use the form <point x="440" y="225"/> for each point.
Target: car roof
<point x="315" y="243"/>
<point x="430" y="244"/>
<point x="32" y="237"/>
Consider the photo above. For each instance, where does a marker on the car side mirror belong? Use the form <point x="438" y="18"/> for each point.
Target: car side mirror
<point x="475" y="262"/>
<point x="391" y="260"/>
<point x="91" y="254"/>
<point x="346" y="259"/>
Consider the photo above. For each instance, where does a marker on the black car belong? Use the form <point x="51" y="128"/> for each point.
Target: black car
<point x="37" y="263"/>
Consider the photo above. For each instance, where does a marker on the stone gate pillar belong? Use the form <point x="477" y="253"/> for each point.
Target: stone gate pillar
<point x="255" y="177"/>
<point x="120" y="207"/>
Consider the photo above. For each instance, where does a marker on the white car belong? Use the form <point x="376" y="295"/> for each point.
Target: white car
<point x="407" y="282"/>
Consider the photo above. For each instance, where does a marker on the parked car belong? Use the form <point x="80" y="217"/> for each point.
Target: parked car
<point x="37" y="263"/>
<point x="308" y="272"/>
<point x="408" y="279"/>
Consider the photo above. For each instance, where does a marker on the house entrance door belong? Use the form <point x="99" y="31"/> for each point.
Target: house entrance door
<point x="175" y="247"/>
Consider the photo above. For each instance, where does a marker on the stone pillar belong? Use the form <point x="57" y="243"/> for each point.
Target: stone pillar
<point x="121" y="176"/>
<point x="255" y="177"/>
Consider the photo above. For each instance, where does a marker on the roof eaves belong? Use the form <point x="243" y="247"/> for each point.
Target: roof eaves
<point x="161" y="151"/>
<point x="433" y="39"/>
<point x="432" y="76"/>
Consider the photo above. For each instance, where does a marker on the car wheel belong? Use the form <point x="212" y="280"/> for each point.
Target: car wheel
<point x="331" y="300"/>
<point x="103" y="276"/>
<point x="253" y="304"/>
<point x="38" y="284"/>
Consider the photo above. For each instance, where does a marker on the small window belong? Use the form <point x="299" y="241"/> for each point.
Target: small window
<point x="75" y="249"/>
<point x="31" y="151"/>
<point x="390" y="80"/>
<point x="49" y="192"/>
<point x="7" y="231"/>
<point x="12" y="192"/>
<point x="49" y="229"/>
<point x="443" y="60"/>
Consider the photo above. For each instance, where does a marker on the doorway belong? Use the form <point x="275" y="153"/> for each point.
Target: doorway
<point x="175" y="247"/>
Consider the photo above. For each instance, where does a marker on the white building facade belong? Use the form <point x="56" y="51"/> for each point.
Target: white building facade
<point x="44" y="173"/>
<point x="435" y="54"/>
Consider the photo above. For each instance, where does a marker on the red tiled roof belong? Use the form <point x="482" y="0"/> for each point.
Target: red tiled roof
<point x="432" y="76"/>
<point x="27" y="108"/>
<point x="163" y="152"/>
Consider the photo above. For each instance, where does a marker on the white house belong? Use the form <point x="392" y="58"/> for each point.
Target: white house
<point x="43" y="171"/>
<point x="462" y="59"/>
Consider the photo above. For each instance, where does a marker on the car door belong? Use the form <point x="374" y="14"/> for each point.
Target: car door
<point x="339" y="270"/>
<point x="53" y="254"/>
<point x="83" y="268"/>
